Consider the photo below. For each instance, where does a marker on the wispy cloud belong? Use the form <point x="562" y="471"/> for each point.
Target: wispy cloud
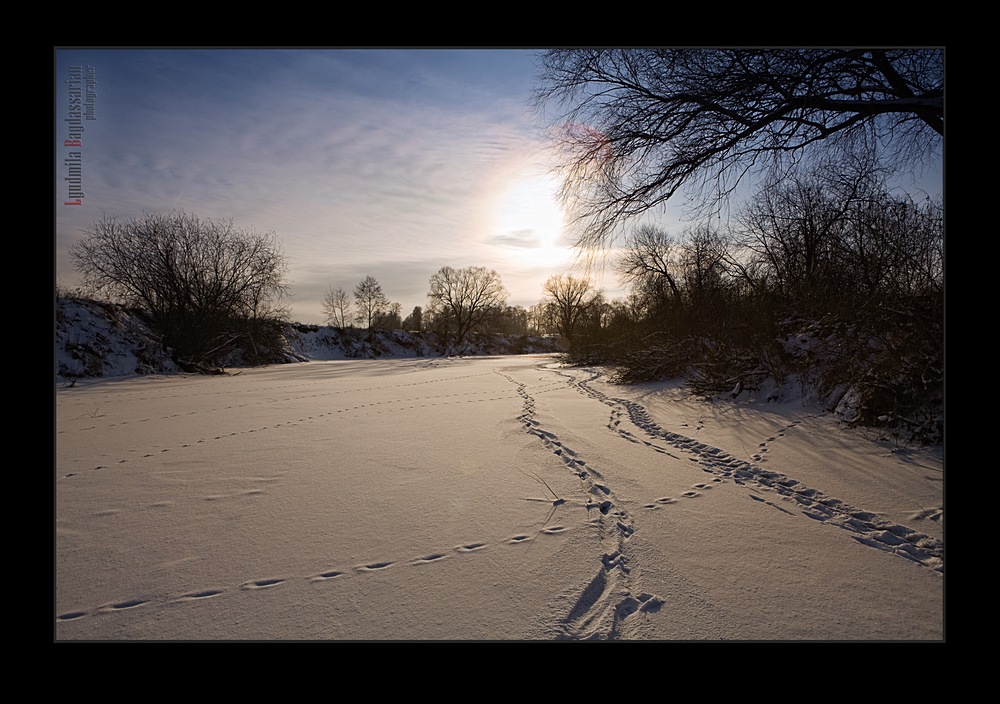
<point x="363" y="162"/>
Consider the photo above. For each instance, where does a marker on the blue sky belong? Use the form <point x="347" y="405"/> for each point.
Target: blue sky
<point x="384" y="162"/>
<point x="390" y="163"/>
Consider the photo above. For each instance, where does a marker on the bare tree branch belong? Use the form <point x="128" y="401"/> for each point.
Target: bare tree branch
<point x="637" y="126"/>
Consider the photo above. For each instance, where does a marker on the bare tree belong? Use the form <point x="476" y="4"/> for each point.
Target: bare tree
<point x="705" y="254"/>
<point x="570" y="298"/>
<point x="842" y="238"/>
<point x="795" y="231"/>
<point x="637" y="126"/>
<point x="337" y="307"/>
<point x="370" y="301"/>
<point x="895" y="246"/>
<point x="202" y="282"/>
<point x="650" y="263"/>
<point x="466" y="298"/>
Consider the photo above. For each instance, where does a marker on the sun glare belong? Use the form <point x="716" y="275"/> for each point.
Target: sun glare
<point x="530" y="222"/>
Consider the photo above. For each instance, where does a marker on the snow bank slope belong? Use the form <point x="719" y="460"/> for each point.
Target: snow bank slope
<point x="95" y="339"/>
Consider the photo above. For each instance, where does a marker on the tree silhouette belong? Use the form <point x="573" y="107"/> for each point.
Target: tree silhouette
<point x="637" y="126"/>
<point x="650" y="263"/>
<point x="370" y="301"/>
<point x="570" y="298"/>
<point x="465" y="298"/>
<point x="337" y="307"/>
<point x="204" y="283"/>
<point x="415" y="320"/>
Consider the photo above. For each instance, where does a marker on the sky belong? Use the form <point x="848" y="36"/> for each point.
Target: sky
<point x="382" y="162"/>
<point x="475" y="498"/>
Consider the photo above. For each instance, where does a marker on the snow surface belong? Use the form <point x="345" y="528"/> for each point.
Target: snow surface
<point x="480" y="498"/>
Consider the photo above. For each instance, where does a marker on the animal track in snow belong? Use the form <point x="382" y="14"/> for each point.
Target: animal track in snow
<point x="374" y="566"/>
<point x="325" y="576"/>
<point x="663" y="501"/>
<point x="71" y="615"/>
<point x="470" y="547"/>
<point x="427" y="559"/>
<point x="203" y="594"/>
<point x="261" y="584"/>
<point x="594" y="613"/>
<point x="378" y="406"/>
<point x="916" y="546"/>
<point x="127" y="604"/>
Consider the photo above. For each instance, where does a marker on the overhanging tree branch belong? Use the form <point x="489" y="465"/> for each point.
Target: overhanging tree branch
<point x="637" y="126"/>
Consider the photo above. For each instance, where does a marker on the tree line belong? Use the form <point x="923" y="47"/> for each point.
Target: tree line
<point x="216" y="292"/>
<point x="827" y="273"/>
<point x="838" y="291"/>
<point x="464" y="301"/>
<point x="844" y="262"/>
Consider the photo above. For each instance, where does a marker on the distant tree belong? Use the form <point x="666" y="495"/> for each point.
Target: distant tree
<point x="512" y="320"/>
<point x="638" y="125"/>
<point x="337" y="307"/>
<point x="649" y="262"/>
<point x="570" y="298"/>
<point x="390" y="318"/>
<point x="205" y="284"/>
<point x="369" y="300"/>
<point x="895" y="246"/>
<point x="415" y="320"/>
<point x="705" y="253"/>
<point x="541" y="319"/>
<point x="465" y="298"/>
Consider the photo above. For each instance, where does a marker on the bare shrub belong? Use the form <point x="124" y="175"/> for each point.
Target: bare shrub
<point x="207" y="286"/>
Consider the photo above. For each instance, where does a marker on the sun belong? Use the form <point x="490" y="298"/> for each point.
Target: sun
<point x="531" y="223"/>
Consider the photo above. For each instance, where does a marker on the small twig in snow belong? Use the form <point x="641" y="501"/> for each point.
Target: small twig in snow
<point x="558" y="501"/>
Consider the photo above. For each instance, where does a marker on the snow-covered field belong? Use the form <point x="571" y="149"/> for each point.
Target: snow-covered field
<point x="486" y="498"/>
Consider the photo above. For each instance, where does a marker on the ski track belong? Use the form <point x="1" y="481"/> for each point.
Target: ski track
<point x="867" y="528"/>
